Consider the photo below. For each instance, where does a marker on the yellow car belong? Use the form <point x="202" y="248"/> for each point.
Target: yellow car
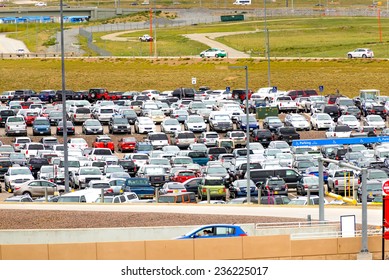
<point x="214" y="186"/>
<point x="157" y="116"/>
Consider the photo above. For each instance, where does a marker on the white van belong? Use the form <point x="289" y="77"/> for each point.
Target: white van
<point x="242" y="2"/>
<point x="86" y="196"/>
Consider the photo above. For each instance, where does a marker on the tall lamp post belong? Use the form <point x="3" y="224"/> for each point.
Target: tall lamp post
<point x="65" y="129"/>
<point x="267" y="44"/>
<point x="247" y="130"/>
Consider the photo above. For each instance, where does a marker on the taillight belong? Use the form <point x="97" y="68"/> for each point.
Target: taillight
<point x="306" y="186"/>
<point x="359" y="181"/>
<point x="336" y="182"/>
<point x="243" y="234"/>
<point x="75" y="115"/>
<point x="30" y="167"/>
<point x="204" y="190"/>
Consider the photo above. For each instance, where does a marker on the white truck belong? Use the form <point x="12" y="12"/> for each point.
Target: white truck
<point x="80" y="179"/>
<point x="285" y="104"/>
<point x="268" y="94"/>
<point x="146" y="38"/>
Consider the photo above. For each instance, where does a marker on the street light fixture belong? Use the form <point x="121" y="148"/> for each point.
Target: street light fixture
<point x="247" y="130"/>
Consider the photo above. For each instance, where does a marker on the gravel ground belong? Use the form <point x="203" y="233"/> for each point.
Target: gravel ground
<point x="38" y="219"/>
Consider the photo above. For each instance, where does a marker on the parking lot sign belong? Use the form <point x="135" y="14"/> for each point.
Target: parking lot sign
<point x="274" y="89"/>
<point x="321" y="88"/>
<point x="228" y="89"/>
<point x="194" y="81"/>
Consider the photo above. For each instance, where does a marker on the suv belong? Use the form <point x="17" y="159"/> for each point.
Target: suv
<point x="332" y="110"/>
<point x="239" y="138"/>
<point x="208" y="138"/>
<point x="158" y="139"/>
<point x="41" y="126"/>
<point x="23" y="94"/>
<point x="184" y="138"/>
<point x="15" y="125"/>
<point x="274" y="186"/>
<point x="35" y="164"/>
<point x="4" y="114"/>
<point x="119" y="125"/>
<point x="80" y="115"/>
<point x="214" y="186"/>
<point x="263" y="136"/>
<point x="187" y="93"/>
<point x="96" y="94"/>
<point x="301" y="93"/>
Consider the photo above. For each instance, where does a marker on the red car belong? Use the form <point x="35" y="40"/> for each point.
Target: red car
<point x="114" y="95"/>
<point x="30" y="117"/>
<point x="127" y="144"/>
<point x="182" y="175"/>
<point x="26" y="104"/>
<point x="104" y="141"/>
<point x="96" y="94"/>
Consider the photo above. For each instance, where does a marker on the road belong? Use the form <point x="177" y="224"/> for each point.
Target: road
<point x="8" y="45"/>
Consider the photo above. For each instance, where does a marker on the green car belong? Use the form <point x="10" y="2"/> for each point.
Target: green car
<point x="215" y="187"/>
<point x="213" y="53"/>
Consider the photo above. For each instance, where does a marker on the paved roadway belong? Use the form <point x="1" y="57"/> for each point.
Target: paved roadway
<point x="8" y="45"/>
<point x="332" y="213"/>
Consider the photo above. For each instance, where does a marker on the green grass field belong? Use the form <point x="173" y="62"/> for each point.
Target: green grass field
<point x="349" y="76"/>
<point x="296" y="37"/>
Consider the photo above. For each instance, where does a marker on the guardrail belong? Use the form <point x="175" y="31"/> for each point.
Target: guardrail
<point x="35" y="55"/>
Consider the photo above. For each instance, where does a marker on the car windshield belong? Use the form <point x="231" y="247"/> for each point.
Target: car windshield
<point x="213" y="182"/>
<point x="16" y="119"/>
<point x="92" y="123"/>
<point x="217" y="170"/>
<point x="120" y="121"/>
<point x="154" y="170"/>
<point x="195" y="120"/>
<point x="224" y="118"/>
<point x="273" y="121"/>
<point x="20" y="171"/>
<point x="90" y="171"/>
<point x="41" y="122"/>
<point x="324" y="117"/>
<point x="374" y="186"/>
<point x="101" y="185"/>
<point x="378" y="174"/>
<point x="375" y="118"/>
<point x="106" y="111"/>
<point x="171" y="122"/>
<point x="312" y="180"/>
<point x="112" y="169"/>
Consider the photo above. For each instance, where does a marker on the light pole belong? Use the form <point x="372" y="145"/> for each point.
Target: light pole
<point x="247" y="130"/>
<point x="155" y="28"/>
<point x="65" y="129"/>
<point x="267" y="45"/>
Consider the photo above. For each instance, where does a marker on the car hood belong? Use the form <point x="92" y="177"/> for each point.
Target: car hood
<point x="93" y="127"/>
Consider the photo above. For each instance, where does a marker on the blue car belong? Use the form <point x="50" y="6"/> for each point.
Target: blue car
<point x="41" y="126"/>
<point x="239" y="188"/>
<point x="47" y="95"/>
<point x="140" y="186"/>
<point x="242" y="123"/>
<point x="215" y="231"/>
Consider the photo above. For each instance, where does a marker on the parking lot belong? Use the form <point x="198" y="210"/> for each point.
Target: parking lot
<point x="306" y="133"/>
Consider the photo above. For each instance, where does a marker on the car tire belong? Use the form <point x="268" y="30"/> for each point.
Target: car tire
<point x="27" y="193"/>
<point x="201" y="55"/>
<point x="364" y="56"/>
<point x="216" y="55"/>
<point x="349" y="56"/>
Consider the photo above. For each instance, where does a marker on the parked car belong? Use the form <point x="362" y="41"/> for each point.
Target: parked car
<point x="321" y="120"/>
<point x="119" y="125"/>
<point x="170" y="126"/>
<point x="306" y="183"/>
<point x="15" y="125"/>
<point x="213" y="52"/>
<point x="41" y="126"/>
<point x="91" y="126"/>
<point x="37" y="188"/>
<point x="361" y="53"/>
<point x="71" y="130"/>
<point x="127" y="144"/>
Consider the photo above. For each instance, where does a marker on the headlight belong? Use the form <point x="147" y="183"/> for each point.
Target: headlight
<point x="82" y="180"/>
<point x="115" y="126"/>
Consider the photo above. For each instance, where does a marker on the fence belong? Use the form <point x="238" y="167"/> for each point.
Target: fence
<point x="89" y="37"/>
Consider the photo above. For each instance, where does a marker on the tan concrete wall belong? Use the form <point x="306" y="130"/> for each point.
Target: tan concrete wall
<point x="250" y="247"/>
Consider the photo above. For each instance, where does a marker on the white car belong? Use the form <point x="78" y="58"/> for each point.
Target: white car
<point x="79" y="143"/>
<point x="195" y="123"/>
<point x="144" y="125"/>
<point x="361" y="52"/>
<point x="40" y="4"/>
<point x="170" y="126"/>
<point x="104" y="114"/>
<point x="321" y="120"/>
<point x="213" y="52"/>
<point x="349" y="120"/>
<point x="16" y="175"/>
<point x="297" y="121"/>
<point x="219" y="94"/>
<point x="375" y="121"/>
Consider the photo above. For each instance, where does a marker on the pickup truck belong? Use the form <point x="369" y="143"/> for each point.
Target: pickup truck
<point x="287" y="134"/>
<point x="340" y="181"/>
<point x="140" y="186"/>
<point x="339" y="131"/>
<point x="285" y="104"/>
<point x="146" y="38"/>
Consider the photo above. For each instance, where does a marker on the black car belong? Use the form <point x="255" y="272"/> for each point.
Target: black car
<point x="24" y="94"/>
<point x="4" y="114"/>
<point x="272" y="123"/>
<point x="332" y="110"/>
<point x="69" y="95"/>
<point x="184" y="93"/>
<point x="5" y="163"/>
<point x="129" y="166"/>
<point x="263" y="136"/>
<point x="274" y="186"/>
<point x="70" y="128"/>
<point x="131" y="115"/>
<point x="119" y="125"/>
<point x="55" y="117"/>
<point x="35" y="164"/>
<point x="129" y="95"/>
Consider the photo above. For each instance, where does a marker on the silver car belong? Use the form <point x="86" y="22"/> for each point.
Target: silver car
<point x="92" y="127"/>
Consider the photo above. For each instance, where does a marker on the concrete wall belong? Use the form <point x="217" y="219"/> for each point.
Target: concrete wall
<point x="239" y="248"/>
<point x="134" y="234"/>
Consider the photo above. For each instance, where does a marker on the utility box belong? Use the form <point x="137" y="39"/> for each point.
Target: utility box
<point x="232" y="18"/>
<point x="263" y="112"/>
